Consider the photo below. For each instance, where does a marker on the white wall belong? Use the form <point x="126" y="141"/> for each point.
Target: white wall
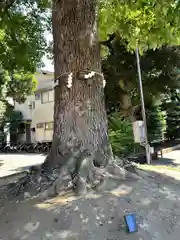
<point x="44" y="80"/>
<point x="42" y="135"/>
<point x="43" y="112"/>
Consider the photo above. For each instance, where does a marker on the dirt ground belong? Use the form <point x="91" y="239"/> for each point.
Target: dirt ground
<point x="100" y="216"/>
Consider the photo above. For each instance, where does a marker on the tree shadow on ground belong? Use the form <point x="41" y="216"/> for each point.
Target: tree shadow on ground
<point x="166" y="162"/>
<point x="26" y="168"/>
<point x="155" y="200"/>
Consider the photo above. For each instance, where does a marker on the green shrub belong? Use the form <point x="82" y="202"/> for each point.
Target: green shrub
<point x="156" y="124"/>
<point x="121" y="136"/>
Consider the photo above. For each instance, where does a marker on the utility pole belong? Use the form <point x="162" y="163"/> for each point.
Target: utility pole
<point x="146" y="143"/>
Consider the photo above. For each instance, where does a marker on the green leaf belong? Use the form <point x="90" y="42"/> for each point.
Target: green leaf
<point x="146" y="24"/>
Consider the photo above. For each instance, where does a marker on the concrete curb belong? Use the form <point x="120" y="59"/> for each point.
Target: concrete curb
<point x="170" y="149"/>
<point x="12" y="178"/>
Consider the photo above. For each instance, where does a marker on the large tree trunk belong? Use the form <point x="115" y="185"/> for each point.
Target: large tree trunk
<point x="81" y="155"/>
<point x="80" y="121"/>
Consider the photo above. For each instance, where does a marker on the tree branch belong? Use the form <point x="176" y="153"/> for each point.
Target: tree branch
<point x="108" y="43"/>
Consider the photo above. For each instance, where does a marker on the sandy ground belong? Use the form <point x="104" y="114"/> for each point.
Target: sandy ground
<point x="99" y="216"/>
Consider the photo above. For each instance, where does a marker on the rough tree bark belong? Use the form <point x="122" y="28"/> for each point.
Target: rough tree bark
<point x="80" y="122"/>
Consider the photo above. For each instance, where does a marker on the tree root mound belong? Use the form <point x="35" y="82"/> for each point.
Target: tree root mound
<point x="80" y="175"/>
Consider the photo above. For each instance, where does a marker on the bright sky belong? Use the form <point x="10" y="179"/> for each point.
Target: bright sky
<point x="48" y="63"/>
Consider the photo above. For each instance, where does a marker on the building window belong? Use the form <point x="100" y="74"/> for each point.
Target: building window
<point x="47" y="96"/>
<point x="32" y="105"/>
<point x="48" y="125"/>
<point x="37" y="96"/>
<point x="40" y="125"/>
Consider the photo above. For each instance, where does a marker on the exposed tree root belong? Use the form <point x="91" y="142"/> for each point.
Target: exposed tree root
<point x="79" y="173"/>
<point x="87" y="177"/>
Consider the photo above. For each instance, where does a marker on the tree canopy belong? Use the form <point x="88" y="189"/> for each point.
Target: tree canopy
<point x="159" y="74"/>
<point x="146" y="24"/>
<point x="23" y="23"/>
<point x="22" y="40"/>
<point x="22" y="43"/>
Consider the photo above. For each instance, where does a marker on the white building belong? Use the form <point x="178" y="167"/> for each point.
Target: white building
<point x="38" y="110"/>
